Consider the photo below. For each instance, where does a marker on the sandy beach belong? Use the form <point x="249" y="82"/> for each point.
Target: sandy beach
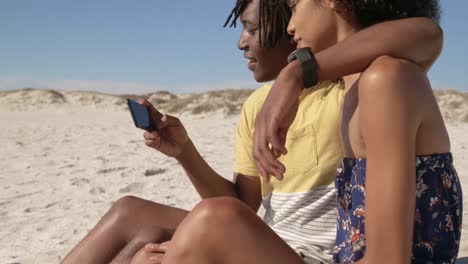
<point x="66" y="157"/>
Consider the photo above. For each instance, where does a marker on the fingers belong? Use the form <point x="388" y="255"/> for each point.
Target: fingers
<point x="161" y="120"/>
<point x="265" y="157"/>
<point x="164" y="121"/>
<point x="167" y="120"/>
<point x="151" y="253"/>
<point x="143" y="256"/>
<point x="157" y="248"/>
<point x="156" y="258"/>
<point x="152" y="139"/>
<point x="167" y="243"/>
<point x="265" y="176"/>
<point x="150" y="106"/>
<point x="270" y="165"/>
<point x="276" y="144"/>
<point x="281" y="137"/>
<point x="155" y="114"/>
<point x="271" y="125"/>
<point x="148" y="258"/>
<point x="257" y="152"/>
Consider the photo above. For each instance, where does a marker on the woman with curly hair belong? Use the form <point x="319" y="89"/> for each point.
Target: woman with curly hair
<point x="399" y="198"/>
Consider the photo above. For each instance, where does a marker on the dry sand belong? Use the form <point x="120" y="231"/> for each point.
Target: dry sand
<point x="65" y="157"/>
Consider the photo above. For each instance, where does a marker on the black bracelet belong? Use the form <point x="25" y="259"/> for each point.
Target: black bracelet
<point x="308" y="65"/>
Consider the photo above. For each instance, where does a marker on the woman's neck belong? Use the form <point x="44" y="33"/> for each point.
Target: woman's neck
<point x="347" y="26"/>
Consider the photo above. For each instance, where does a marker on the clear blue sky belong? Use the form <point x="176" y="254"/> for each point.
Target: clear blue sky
<point x="140" y="46"/>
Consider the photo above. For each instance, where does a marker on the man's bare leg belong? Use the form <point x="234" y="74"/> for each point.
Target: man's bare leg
<point x="224" y="230"/>
<point x="123" y="223"/>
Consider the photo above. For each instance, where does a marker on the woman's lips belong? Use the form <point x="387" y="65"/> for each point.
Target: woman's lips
<point x="298" y="42"/>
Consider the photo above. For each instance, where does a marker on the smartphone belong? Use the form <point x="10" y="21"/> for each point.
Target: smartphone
<point x="141" y="116"/>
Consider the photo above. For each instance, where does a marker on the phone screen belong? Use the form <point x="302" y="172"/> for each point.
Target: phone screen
<point x="140" y="115"/>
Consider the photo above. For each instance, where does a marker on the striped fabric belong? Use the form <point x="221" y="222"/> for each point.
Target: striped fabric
<point x="306" y="221"/>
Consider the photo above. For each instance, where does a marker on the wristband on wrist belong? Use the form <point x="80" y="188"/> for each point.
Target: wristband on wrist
<point x="308" y="66"/>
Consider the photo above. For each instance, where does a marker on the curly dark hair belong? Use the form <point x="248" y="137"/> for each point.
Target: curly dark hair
<point x="371" y="12"/>
<point x="273" y="20"/>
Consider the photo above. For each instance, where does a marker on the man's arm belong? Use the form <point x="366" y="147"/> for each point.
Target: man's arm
<point x="209" y="183"/>
<point x="206" y="181"/>
<point x="172" y="140"/>
<point x="248" y="189"/>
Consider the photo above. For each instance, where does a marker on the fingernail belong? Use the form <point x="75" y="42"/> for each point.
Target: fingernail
<point x="149" y="246"/>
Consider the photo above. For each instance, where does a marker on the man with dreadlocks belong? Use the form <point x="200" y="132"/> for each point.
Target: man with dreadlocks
<point x="299" y="208"/>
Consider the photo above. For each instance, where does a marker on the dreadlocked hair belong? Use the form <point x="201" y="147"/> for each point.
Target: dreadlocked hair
<point x="273" y="20"/>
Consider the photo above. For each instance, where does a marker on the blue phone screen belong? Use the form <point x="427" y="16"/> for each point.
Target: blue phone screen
<point x="140" y="115"/>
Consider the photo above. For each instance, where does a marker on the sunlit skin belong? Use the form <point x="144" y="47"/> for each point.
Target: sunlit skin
<point x="141" y="222"/>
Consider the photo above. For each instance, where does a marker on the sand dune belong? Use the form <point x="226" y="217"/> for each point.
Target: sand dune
<point x="66" y="156"/>
<point x="226" y="101"/>
<point x="453" y="103"/>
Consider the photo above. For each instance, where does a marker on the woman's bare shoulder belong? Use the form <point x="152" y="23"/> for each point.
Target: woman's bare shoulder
<point x="388" y="76"/>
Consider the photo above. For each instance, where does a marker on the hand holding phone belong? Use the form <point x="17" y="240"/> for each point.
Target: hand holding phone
<point x="164" y="133"/>
<point x="141" y="116"/>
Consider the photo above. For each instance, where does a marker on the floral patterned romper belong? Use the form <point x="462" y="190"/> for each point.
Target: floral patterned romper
<point x="438" y="212"/>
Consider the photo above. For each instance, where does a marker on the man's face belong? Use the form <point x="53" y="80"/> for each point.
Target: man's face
<point x="265" y="63"/>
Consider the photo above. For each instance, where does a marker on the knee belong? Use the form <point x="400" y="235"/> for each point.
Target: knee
<point x="213" y="218"/>
<point x="124" y="209"/>
<point x="210" y="223"/>
<point x="219" y="212"/>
